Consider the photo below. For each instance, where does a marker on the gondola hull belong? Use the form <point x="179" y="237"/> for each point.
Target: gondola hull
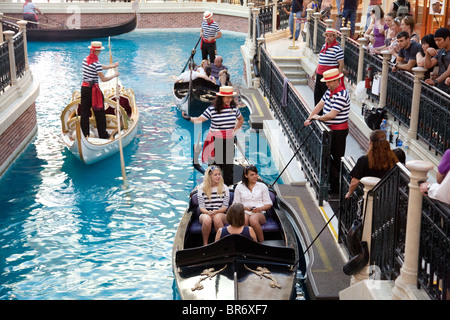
<point x="65" y="34"/>
<point x="235" y="267"/>
<point x="194" y="99"/>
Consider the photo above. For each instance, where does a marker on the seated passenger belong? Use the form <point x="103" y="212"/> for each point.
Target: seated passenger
<point x="213" y="197"/>
<point x="254" y="195"/>
<point x="220" y="72"/>
<point x="236" y="219"/>
<point x="186" y="75"/>
<point x="376" y="163"/>
<point x="201" y="68"/>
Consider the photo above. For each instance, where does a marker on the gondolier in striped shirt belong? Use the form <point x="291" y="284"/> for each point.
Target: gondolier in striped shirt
<point x="331" y="56"/>
<point x="210" y="32"/>
<point x="91" y="95"/>
<point x="226" y="119"/>
<point x="335" y="104"/>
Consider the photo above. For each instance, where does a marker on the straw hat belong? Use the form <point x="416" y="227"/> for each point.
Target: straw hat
<point x="331" y="75"/>
<point x="330" y="31"/>
<point x="207" y="15"/>
<point x="226" y="91"/>
<point x="97" y="45"/>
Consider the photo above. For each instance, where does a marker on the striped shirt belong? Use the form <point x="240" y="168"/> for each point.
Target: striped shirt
<point x="340" y="101"/>
<point x="331" y="57"/>
<point x="224" y="120"/>
<point x="90" y="72"/>
<point x="209" y="30"/>
<point x="217" y="201"/>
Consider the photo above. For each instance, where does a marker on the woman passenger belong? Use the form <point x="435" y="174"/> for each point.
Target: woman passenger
<point x="213" y="197"/>
<point x="236" y="219"/>
<point x="376" y="163"/>
<point x="254" y="195"/>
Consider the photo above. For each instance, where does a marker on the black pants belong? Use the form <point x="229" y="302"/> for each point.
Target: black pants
<point x="209" y="49"/>
<point x="319" y="89"/>
<point x="338" y="141"/>
<point x="32" y="18"/>
<point x="224" y="158"/>
<point x="86" y="105"/>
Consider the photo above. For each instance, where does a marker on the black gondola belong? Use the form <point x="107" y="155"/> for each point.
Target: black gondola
<point x="65" y="34"/>
<point x="195" y="96"/>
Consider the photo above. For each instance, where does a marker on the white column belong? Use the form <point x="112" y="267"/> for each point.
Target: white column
<point x="23" y="27"/>
<point x="12" y="60"/>
<point x="362" y="42"/>
<point x="384" y="78"/>
<point x="419" y="74"/>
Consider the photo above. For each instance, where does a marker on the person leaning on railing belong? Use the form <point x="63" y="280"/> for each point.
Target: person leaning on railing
<point x="439" y="58"/>
<point x="440" y="190"/>
<point x="376" y="163"/>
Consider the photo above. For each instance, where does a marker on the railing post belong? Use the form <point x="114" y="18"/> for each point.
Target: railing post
<point x="255" y="12"/>
<point x="12" y="60"/>
<point x="274" y="16"/>
<point x="316" y="16"/>
<point x="309" y="12"/>
<point x="419" y="74"/>
<point x="362" y="42"/>
<point x="369" y="183"/>
<point x="345" y="33"/>
<point x="408" y="272"/>
<point x="1" y="26"/>
<point x="23" y="27"/>
<point x="250" y="8"/>
<point x="329" y="23"/>
<point x="384" y="78"/>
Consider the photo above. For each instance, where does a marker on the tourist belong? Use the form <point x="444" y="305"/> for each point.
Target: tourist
<point x="376" y="163"/>
<point x="203" y="64"/>
<point x="191" y="74"/>
<point x="377" y="27"/>
<point x="210" y="32"/>
<point x="91" y="95"/>
<point x="330" y="56"/>
<point x="336" y="106"/>
<point x="394" y="48"/>
<point x="220" y="72"/>
<point x="30" y="14"/>
<point x="226" y="119"/>
<point x="213" y="198"/>
<point x="236" y="219"/>
<point x="406" y="59"/>
<point x="402" y="8"/>
<point x="254" y="196"/>
<point x="390" y="32"/>
<point x="296" y="8"/>
<point x="407" y="24"/>
<point x="349" y="14"/>
<point x="373" y="5"/>
<point x="439" y="58"/>
<point x="427" y="42"/>
<point x="440" y="190"/>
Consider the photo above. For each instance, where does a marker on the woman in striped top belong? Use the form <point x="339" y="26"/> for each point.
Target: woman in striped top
<point x="213" y="198"/>
<point x="336" y="107"/>
<point x="226" y="119"/>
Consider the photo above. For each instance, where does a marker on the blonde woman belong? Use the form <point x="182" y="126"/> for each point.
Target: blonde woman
<point x="213" y="197"/>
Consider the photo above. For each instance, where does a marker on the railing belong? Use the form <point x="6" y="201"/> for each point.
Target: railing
<point x="389" y="221"/>
<point x="291" y="113"/>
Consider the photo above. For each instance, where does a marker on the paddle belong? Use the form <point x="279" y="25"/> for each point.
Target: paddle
<point x="119" y="133"/>
<point x="192" y="54"/>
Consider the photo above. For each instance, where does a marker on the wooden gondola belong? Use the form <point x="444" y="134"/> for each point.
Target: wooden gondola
<point x="235" y="267"/>
<point x="91" y="150"/>
<point x="66" y="34"/>
<point x="195" y="96"/>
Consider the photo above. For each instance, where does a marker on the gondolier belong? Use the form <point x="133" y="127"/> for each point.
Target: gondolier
<point x="335" y="104"/>
<point x="210" y="32"/>
<point x="91" y="95"/>
<point x="29" y="13"/>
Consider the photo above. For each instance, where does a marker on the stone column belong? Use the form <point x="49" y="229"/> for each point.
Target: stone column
<point x="316" y="16"/>
<point x="384" y="78"/>
<point x="419" y="74"/>
<point x="1" y="26"/>
<point x="345" y="33"/>
<point x="309" y="13"/>
<point x="369" y="184"/>
<point x="12" y="60"/>
<point x="362" y="42"/>
<point x="329" y="23"/>
<point x="274" y="16"/>
<point x="250" y="8"/>
<point x="23" y="27"/>
<point x="408" y="272"/>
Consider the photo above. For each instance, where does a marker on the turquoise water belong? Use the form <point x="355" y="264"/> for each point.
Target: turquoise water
<point x="71" y="231"/>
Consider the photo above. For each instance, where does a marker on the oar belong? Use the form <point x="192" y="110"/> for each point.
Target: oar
<point x="192" y="54"/>
<point x="119" y="131"/>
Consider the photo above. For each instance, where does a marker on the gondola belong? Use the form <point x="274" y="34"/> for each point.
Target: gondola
<point x="195" y="96"/>
<point x="66" y="34"/>
<point x="235" y="267"/>
<point x="91" y="150"/>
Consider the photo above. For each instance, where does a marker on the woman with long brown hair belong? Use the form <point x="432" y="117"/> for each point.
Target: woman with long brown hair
<point x="376" y="163"/>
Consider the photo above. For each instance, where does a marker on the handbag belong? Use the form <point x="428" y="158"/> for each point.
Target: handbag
<point x="373" y="117"/>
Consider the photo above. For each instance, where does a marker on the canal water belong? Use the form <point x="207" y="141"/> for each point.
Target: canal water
<point x="72" y="231"/>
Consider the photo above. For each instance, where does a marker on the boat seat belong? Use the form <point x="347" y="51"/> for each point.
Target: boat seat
<point x="271" y="224"/>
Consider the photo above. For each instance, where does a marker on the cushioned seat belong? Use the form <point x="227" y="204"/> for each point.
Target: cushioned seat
<point x="196" y="228"/>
